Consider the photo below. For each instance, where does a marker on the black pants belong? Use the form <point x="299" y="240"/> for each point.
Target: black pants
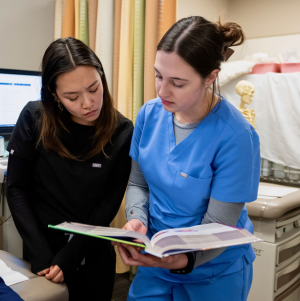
<point x="95" y="279"/>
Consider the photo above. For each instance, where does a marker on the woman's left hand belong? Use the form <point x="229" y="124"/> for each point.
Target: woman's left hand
<point x="55" y="274"/>
<point x="130" y="255"/>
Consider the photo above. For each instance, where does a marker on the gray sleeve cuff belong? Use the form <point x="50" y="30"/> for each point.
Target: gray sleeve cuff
<point x="138" y="214"/>
<point x="218" y="212"/>
<point x="137" y="204"/>
<point x="202" y="257"/>
<point x="137" y="196"/>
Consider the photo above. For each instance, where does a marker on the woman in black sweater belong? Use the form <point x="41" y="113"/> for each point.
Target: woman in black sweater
<point x="69" y="161"/>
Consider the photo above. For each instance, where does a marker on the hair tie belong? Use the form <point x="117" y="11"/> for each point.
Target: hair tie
<point x="227" y="52"/>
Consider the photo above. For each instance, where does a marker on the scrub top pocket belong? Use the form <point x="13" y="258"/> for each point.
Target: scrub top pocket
<point x="190" y="194"/>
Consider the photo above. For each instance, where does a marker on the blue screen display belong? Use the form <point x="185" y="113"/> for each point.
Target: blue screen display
<point x="15" y="92"/>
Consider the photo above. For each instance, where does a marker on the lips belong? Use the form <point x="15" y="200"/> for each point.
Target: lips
<point x="92" y="113"/>
<point x="165" y="102"/>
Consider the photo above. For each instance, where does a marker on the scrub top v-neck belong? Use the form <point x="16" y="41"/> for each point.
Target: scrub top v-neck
<point x="219" y="159"/>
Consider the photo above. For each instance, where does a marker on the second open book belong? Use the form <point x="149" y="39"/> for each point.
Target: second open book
<point x="170" y="241"/>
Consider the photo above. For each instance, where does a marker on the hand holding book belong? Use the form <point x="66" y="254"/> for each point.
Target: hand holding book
<point x="131" y="256"/>
<point x="134" y="225"/>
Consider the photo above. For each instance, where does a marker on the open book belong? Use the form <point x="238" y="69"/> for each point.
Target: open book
<point x="171" y="241"/>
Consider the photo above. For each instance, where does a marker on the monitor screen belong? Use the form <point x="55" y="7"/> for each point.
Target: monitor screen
<point x="17" y="87"/>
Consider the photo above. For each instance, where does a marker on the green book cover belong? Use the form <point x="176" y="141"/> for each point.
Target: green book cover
<point x="99" y="236"/>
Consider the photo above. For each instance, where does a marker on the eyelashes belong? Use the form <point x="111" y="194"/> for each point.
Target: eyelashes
<point x="72" y="99"/>
<point x="177" y="85"/>
<point x="94" y="91"/>
<point x="173" y="84"/>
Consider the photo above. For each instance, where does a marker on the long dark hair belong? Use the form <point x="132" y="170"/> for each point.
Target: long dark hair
<point x="64" y="55"/>
<point x="202" y="44"/>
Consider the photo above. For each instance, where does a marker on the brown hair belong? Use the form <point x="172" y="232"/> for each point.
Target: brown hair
<point x="64" y="55"/>
<point x="201" y="44"/>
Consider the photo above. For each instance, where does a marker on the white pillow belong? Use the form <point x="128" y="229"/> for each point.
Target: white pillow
<point x="232" y="70"/>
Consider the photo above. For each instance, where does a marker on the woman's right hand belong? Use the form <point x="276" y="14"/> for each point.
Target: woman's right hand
<point x="43" y="272"/>
<point x="134" y="225"/>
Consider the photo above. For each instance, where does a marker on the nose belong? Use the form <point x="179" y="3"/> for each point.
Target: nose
<point x="87" y="101"/>
<point x="162" y="89"/>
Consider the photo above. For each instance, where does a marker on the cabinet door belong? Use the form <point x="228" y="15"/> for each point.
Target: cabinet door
<point x="291" y="294"/>
<point x="286" y="276"/>
<point x="288" y="250"/>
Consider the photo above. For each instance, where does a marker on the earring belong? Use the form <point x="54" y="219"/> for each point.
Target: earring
<point x="60" y="106"/>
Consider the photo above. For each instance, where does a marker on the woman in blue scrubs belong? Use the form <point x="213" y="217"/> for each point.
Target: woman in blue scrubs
<point x="196" y="160"/>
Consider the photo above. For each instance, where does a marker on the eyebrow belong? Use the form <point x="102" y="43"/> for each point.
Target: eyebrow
<point x="95" y="82"/>
<point x="176" y="78"/>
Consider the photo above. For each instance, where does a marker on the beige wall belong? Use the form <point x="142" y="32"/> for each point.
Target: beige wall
<point x="270" y="25"/>
<point x="259" y="18"/>
<point x="265" y="18"/>
<point x="271" y="45"/>
<point x="27" y="26"/>
<point x="26" y="30"/>
<point x="209" y="9"/>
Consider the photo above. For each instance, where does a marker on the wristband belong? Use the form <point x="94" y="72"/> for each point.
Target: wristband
<point x="189" y="267"/>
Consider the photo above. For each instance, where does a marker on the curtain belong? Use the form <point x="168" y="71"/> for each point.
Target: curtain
<point x="167" y="16"/>
<point x="151" y="41"/>
<point x="117" y="33"/>
<point x="105" y="38"/>
<point x="83" y="22"/>
<point x="68" y="23"/>
<point x="58" y="19"/>
<point x="76" y="11"/>
<point x="93" y="6"/>
<point x="126" y="59"/>
<point x="138" y="57"/>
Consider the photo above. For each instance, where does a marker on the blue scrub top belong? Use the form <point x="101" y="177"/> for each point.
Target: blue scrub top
<point x="221" y="159"/>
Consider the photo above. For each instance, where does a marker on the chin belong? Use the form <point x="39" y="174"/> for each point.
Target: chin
<point x="168" y="109"/>
<point x="98" y="114"/>
<point x="94" y="118"/>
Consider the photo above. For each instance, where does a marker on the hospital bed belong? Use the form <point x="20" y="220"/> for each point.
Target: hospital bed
<point x="36" y="288"/>
<point x="276" y="270"/>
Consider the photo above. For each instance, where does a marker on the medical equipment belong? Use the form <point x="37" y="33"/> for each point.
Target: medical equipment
<point x="10" y="239"/>
<point x="276" y="220"/>
<point x="17" y="87"/>
<point x="36" y="287"/>
<point x="1" y="146"/>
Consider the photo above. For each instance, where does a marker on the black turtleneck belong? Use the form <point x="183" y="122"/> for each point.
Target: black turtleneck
<point x="43" y="188"/>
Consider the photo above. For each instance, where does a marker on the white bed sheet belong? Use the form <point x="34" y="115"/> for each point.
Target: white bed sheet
<point x="277" y="107"/>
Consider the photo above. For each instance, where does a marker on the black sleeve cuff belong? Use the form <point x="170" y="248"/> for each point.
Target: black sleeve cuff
<point x="36" y="268"/>
<point x="189" y="267"/>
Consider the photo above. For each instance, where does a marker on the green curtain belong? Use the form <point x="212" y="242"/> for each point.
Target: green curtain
<point x="84" y="22"/>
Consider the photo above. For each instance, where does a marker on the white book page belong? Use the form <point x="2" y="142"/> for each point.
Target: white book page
<point x="202" y="237"/>
<point x="275" y="191"/>
<point x="9" y="276"/>
<point x="191" y="231"/>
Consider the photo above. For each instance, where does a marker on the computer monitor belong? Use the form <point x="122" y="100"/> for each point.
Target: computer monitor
<point x="17" y="88"/>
